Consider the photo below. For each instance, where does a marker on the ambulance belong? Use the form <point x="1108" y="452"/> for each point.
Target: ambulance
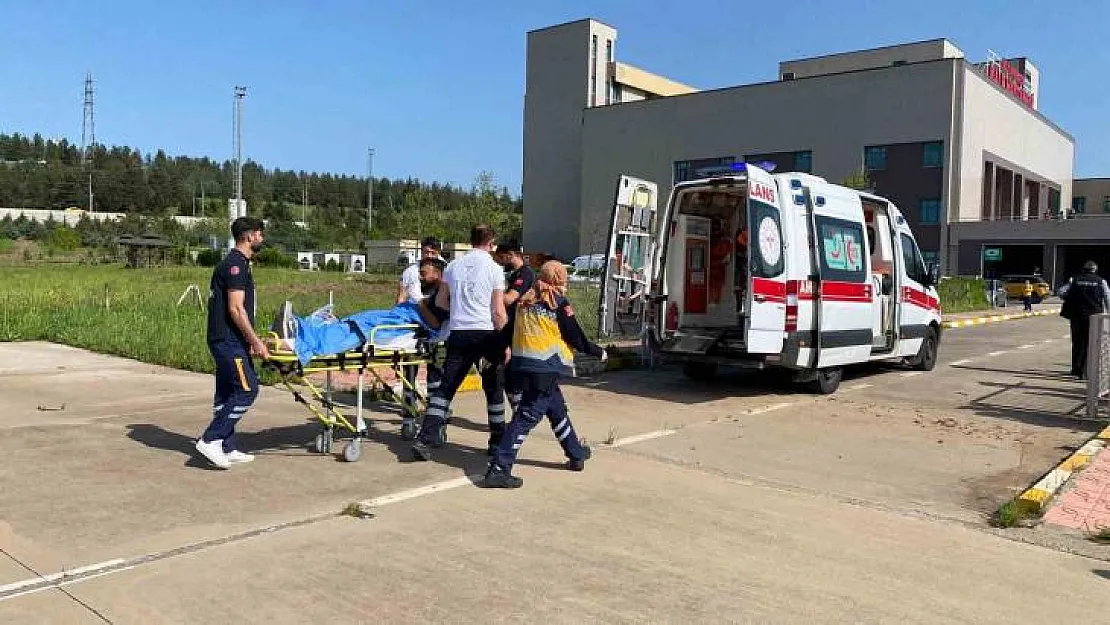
<point x="746" y="267"/>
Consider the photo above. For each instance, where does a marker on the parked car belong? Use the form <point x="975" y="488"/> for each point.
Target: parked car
<point x="1015" y="284"/>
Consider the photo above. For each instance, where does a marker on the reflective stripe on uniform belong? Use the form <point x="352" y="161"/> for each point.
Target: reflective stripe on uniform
<point x="242" y="374"/>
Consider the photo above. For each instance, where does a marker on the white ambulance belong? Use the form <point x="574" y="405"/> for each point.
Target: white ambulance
<point x="749" y="268"/>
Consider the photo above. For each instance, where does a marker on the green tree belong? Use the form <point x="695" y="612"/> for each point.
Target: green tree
<point x="859" y="180"/>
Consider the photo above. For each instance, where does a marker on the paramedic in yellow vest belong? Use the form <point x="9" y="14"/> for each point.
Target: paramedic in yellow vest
<point x="1027" y="295"/>
<point x="544" y="332"/>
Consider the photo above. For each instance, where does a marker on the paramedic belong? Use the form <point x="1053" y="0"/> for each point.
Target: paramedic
<point x="720" y="249"/>
<point x="232" y="341"/>
<point x="408" y="290"/>
<point x="740" y="269"/>
<point x="473" y="290"/>
<point x="518" y="281"/>
<point x="543" y="334"/>
<point x="430" y="278"/>
<point x="1085" y="295"/>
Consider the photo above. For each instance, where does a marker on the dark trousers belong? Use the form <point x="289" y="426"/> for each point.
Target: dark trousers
<point x="1028" y="302"/>
<point x="1080" y="333"/>
<point x="236" y="390"/>
<point x="434" y="378"/>
<point x="465" y="348"/>
<point x="540" y="397"/>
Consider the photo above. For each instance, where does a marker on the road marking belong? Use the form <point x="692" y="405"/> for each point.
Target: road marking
<point x="859" y="387"/>
<point x="70" y="582"/>
<point x="771" y="408"/>
<point x="959" y="362"/>
<point x="639" y="438"/>
<point x="419" y="491"/>
<point x="1027" y="346"/>
<point x="9" y="591"/>
<point x="912" y="374"/>
<point x="992" y="354"/>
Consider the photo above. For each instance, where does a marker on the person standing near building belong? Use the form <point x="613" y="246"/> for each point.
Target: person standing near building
<point x="1085" y="294"/>
<point x="473" y="290"/>
<point x="518" y="281"/>
<point x="408" y="289"/>
<point x="232" y="341"/>
<point x="1027" y="296"/>
<point x="544" y="332"/>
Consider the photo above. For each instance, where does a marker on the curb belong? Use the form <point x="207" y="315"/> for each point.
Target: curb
<point x="1039" y="494"/>
<point x="978" y="321"/>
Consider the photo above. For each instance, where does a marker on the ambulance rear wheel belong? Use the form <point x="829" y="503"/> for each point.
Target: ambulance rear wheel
<point x="828" y="380"/>
<point x="926" y="358"/>
<point x="700" y="371"/>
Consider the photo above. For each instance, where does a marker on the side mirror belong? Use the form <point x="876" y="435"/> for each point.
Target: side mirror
<point x="932" y="274"/>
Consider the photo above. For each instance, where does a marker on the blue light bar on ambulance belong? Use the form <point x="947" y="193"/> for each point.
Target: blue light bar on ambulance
<point x="735" y="168"/>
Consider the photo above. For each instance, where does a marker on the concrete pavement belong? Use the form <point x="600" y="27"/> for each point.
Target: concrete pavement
<point x="739" y="499"/>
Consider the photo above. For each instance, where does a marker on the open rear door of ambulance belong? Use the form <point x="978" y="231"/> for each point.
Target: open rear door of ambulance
<point x="766" y="297"/>
<point x="629" y="266"/>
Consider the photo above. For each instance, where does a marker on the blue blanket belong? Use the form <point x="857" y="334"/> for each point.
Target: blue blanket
<point x="324" y="336"/>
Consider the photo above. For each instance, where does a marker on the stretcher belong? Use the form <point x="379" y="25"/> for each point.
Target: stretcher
<point x="373" y="359"/>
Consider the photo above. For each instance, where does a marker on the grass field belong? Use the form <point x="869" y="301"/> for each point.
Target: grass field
<point x="134" y="312"/>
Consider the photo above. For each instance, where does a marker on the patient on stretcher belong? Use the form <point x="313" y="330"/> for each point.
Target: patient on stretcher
<point x="323" y="334"/>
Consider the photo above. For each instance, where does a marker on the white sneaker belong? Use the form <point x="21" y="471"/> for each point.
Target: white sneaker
<point x="214" y="452"/>
<point x="237" y="457"/>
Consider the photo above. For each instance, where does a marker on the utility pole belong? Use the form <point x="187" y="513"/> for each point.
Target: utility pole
<point x="88" y="133"/>
<point x="304" y="205"/>
<point x="240" y="93"/>
<point x="202" y="199"/>
<point x="369" y="191"/>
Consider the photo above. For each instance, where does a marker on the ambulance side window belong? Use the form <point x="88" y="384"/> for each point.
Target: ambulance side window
<point x="915" y="268"/>
<point x="842" y="250"/>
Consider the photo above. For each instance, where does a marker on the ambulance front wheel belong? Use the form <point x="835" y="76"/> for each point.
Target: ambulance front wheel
<point x="700" y="371"/>
<point x="828" y="380"/>
<point x="926" y="358"/>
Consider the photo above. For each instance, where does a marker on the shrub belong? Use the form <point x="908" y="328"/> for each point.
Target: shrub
<point x="962" y="294"/>
<point x="209" y="257"/>
<point x="273" y="257"/>
<point x="64" y="239"/>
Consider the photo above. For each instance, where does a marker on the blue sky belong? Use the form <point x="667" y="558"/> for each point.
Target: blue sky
<point x="436" y="87"/>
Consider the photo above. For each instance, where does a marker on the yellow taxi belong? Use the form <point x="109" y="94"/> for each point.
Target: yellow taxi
<point x="1015" y="286"/>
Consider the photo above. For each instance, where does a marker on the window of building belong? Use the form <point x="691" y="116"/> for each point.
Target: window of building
<point x="874" y="158"/>
<point x="1054" y="201"/>
<point x="930" y="258"/>
<point x="1106" y="203"/>
<point x="788" y="75"/>
<point x="1079" y="204"/>
<point x="608" y="50"/>
<point x="803" y="161"/>
<point x="932" y="154"/>
<point x="929" y="214"/>
<point x="593" y="70"/>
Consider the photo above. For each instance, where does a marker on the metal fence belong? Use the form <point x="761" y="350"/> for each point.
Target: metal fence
<point x="1098" y="364"/>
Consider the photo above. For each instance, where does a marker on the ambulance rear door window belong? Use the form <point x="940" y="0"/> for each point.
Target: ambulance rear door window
<point x="842" y="250"/>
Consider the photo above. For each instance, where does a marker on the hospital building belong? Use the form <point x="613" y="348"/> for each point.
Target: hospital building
<point x="958" y="145"/>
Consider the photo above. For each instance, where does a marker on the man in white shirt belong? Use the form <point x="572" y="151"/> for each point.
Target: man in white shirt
<point x="408" y="290"/>
<point x="473" y="290"/>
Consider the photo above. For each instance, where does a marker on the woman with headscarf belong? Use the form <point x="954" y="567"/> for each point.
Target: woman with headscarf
<point x="544" y="333"/>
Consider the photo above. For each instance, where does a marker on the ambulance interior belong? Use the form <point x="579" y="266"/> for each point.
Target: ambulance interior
<point x="884" y="277"/>
<point x="708" y="260"/>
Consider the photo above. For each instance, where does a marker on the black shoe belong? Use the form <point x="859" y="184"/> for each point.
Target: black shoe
<point x="580" y="464"/>
<point x="497" y="478"/>
<point x="421" y="452"/>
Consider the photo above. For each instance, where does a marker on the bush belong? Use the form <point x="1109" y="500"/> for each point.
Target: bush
<point x="963" y="294"/>
<point x="6" y="245"/>
<point x="333" y="266"/>
<point x="209" y="257"/>
<point x="273" y="257"/>
<point x="64" y="239"/>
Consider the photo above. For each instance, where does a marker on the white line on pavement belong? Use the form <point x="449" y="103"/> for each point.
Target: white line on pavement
<point x="771" y="408"/>
<point x="1027" y="346"/>
<point x="419" y="491"/>
<point x="639" y="438"/>
<point x="859" y="387"/>
<point x="912" y="374"/>
<point x="54" y="577"/>
<point x="992" y="354"/>
<point x="959" y="362"/>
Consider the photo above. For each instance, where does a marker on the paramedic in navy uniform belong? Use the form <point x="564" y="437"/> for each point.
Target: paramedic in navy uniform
<point x="232" y="341"/>
<point x="518" y="281"/>
<point x="473" y="289"/>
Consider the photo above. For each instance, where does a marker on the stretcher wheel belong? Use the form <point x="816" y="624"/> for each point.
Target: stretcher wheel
<point x="322" y="443"/>
<point x="441" y="437"/>
<point x="408" y="431"/>
<point x="353" y="450"/>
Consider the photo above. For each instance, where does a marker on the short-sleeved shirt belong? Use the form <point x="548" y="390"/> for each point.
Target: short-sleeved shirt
<point x="520" y="280"/>
<point x="472" y="280"/>
<point x="410" y="280"/>
<point x="232" y="274"/>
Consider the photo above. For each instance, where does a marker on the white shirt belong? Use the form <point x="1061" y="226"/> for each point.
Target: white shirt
<point x="410" y="281"/>
<point x="472" y="281"/>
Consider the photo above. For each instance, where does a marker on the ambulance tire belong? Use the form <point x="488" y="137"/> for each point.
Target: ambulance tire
<point x="700" y="371"/>
<point x="828" y="380"/>
<point x="926" y="358"/>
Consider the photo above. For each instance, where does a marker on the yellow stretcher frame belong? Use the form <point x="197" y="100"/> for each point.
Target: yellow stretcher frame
<point x="366" y="361"/>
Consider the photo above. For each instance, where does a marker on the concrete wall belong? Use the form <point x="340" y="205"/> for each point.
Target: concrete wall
<point x="834" y="116"/>
<point x="1095" y="190"/>
<point x="558" y="74"/>
<point x="919" y="52"/>
<point x="71" y="218"/>
<point x="999" y="127"/>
